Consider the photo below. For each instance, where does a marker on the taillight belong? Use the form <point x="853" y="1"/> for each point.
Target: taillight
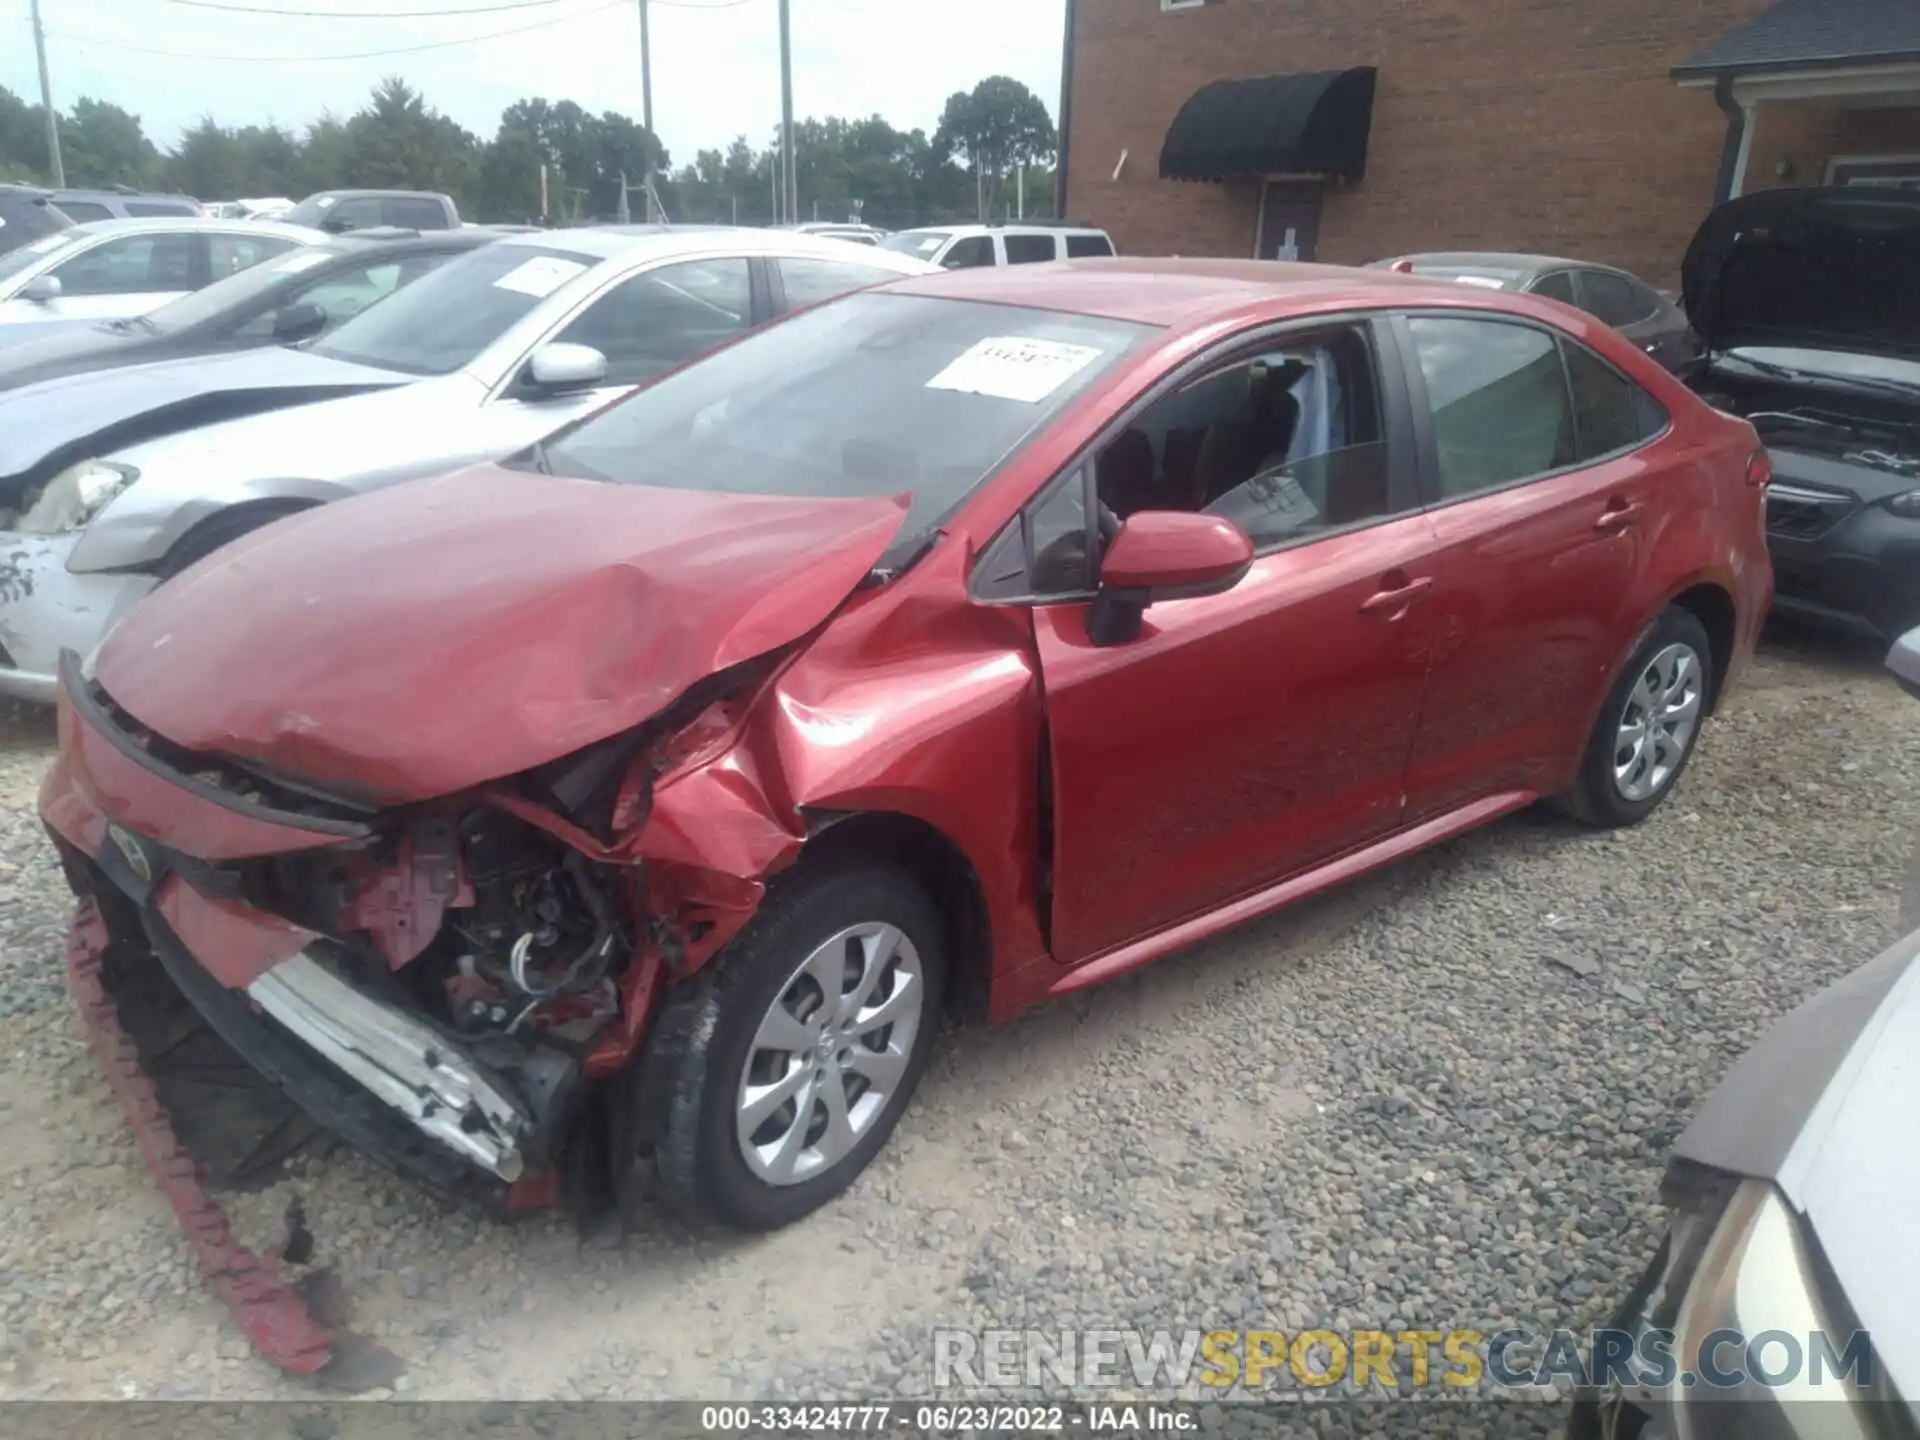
<point x="1759" y="470"/>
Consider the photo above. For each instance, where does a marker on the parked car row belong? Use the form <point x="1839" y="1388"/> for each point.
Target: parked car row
<point x="615" y="805"/>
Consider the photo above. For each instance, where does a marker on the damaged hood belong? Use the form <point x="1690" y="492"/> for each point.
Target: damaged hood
<point x="47" y="426"/>
<point x="1834" y="268"/>
<point x="426" y="638"/>
<point x="1824" y="1107"/>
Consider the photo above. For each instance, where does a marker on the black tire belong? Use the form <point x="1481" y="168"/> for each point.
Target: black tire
<point x="702" y="1038"/>
<point x="1595" y="799"/>
<point x="220" y="530"/>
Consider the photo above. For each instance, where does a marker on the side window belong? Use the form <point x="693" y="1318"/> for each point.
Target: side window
<point x="1286" y="444"/>
<point x="966" y="254"/>
<point x="1498" y="397"/>
<point x="356" y="214"/>
<point x="1028" y="249"/>
<point x="132" y="265"/>
<point x="1557" y="285"/>
<point x="81" y="211"/>
<point x="810" y="281"/>
<point x="230" y="254"/>
<point x="657" y="320"/>
<point x="1614" y="299"/>
<point x="416" y="214"/>
<point x="139" y="209"/>
<point x="1612" y="412"/>
<point x="1081" y="246"/>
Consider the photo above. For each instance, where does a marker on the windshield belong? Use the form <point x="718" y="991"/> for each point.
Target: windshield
<point x="445" y="318"/>
<point x="27" y="256"/>
<point x="1842" y="364"/>
<point x="221" y="298"/>
<point x="873" y="394"/>
<point x="917" y="242"/>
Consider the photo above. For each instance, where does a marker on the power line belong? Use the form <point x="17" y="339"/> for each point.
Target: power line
<point x="351" y="55"/>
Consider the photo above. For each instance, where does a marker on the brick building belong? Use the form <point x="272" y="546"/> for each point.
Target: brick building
<point x="1356" y="129"/>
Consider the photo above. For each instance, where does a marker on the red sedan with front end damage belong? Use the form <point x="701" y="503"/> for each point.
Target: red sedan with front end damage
<point x="620" y="818"/>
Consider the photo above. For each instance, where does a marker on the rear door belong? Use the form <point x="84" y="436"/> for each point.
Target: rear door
<point x="1243" y="737"/>
<point x="1543" y="507"/>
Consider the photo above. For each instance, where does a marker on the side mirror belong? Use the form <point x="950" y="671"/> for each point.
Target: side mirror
<point x="41" y="288"/>
<point x="1164" y="555"/>
<point x="301" y="320"/>
<point x="561" y="367"/>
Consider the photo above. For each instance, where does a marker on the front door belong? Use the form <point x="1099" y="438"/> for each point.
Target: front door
<point x="1243" y="737"/>
<point x="1289" y="227"/>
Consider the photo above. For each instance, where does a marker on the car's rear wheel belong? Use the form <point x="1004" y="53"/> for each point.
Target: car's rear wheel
<point x="1648" y="725"/>
<point x="791" y="1065"/>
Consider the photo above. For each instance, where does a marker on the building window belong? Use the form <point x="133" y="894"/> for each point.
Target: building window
<point x="1898" y="172"/>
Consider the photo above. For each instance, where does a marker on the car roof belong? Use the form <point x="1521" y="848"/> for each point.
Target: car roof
<point x="1011" y="227"/>
<point x="356" y="194"/>
<point x="144" y="224"/>
<point x="1503" y="260"/>
<point x="94" y="192"/>
<point x="604" y="242"/>
<point x="1178" y="293"/>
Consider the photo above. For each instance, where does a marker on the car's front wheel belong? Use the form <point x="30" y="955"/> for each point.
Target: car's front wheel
<point x="791" y="1063"/>
<point x="1647" y="726"/>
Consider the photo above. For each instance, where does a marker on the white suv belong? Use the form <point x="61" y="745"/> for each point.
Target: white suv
<point x="960" y="247"/>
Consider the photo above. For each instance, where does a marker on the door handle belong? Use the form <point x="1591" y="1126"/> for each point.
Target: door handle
<point x="1618" y="515"/>
<point x="1397" y="598"/>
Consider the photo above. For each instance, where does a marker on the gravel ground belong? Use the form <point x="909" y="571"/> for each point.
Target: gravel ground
<point x="1440" y="1097"/>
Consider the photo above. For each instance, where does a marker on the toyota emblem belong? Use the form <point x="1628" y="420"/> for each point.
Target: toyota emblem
<point x="134" y="853"/>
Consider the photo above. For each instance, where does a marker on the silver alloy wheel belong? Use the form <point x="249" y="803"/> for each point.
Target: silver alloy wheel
<point x="1658" y="721"/>
<point x="830" y="1054"/>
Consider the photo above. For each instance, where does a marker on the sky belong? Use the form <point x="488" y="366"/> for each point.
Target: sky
<point x="716" y="63"/>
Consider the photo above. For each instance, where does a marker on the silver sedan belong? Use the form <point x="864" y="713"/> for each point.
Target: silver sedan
<point x="121" y="269"/>
<point x="474" y="362"/>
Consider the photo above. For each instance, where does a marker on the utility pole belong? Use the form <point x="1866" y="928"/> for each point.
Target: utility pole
<point x="46" y="100"/>
<point x="789" y="172"/>
<point x="646" y="111"/>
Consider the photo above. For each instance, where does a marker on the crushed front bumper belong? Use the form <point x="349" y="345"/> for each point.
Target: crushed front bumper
<point x="465" y="1125"/>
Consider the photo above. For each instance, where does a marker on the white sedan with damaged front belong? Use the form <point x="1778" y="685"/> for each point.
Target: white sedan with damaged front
<point x="473" y="362"/>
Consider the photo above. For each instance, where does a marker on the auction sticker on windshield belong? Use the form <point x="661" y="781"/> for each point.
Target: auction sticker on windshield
<point x="540" y="276"/>
<point x="1015" y="367"/>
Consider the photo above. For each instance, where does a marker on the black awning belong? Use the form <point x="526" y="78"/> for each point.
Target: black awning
<point x="1795" y="34"/>
<point x="1309" y="124"/>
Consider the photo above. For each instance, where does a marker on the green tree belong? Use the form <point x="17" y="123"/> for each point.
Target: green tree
<point x="398" y="142"/>
<point x="997" y="126"/>
<point x="23" y="139"/>
<point x="101" y="144"/>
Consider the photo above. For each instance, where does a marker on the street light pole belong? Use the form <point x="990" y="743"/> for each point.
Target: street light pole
<point x="789" y="172"/>
<point x="646" y="109"/>
<point x="46" y="100"/>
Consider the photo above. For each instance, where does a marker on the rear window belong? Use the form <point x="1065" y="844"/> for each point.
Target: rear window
<point x="1081" y="246"/>
<point x="876" y="394"/>
<point x="80" y="211"/>
<point x="417" y="214"/>
<point x="1028" y="249"/>
<point x="1485" y="277"/>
